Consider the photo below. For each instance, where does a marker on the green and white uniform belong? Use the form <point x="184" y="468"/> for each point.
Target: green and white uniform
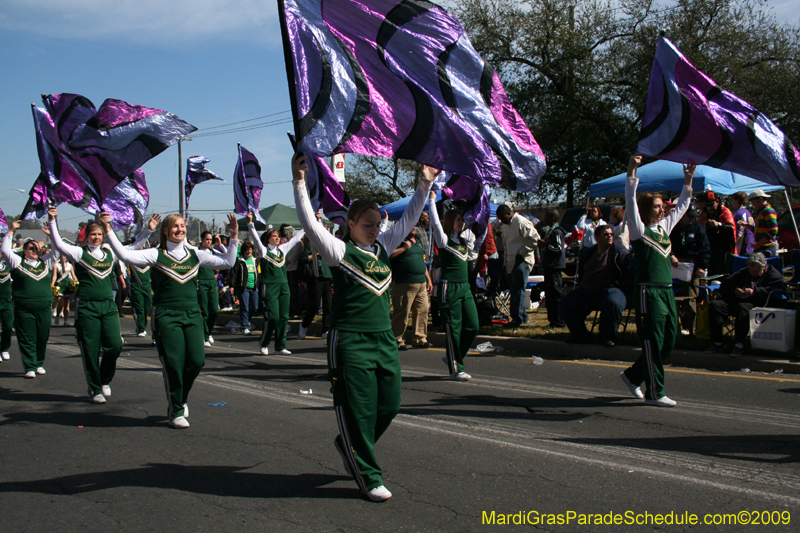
<point x="275" y="296"/>
<point x="654" y="299"/>
<point x="208" y="297"/>
<point x="33" y="298"/>
<point x="363" y="361"/>
<point x="141" y="296"/>
<point x="456" y="303"/>
<point x="6" y="307"/>
<point x="177" y="322"/>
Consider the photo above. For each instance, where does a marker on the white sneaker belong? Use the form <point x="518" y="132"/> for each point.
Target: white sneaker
<point x="340" y="449"/>
<point x="142" y="334"/>
<point x="179" y="422"/>
<point x="30" y="374"/>
<point x="207" y="344"/>
<point x="302" y="333"/>
<point x="186" y="410"/>
<point x="461" y="376"/>
<point x="106" y="390"/>
<point x="264" y="351"/>
<point x="55" y="313"/>
<point x="66" y="322"/>
<point x="98" y="398"/>
<point x="41" y="371"/>
<point x="324" y="335"/>
<point x="379" y="494"/>
<point x="661" y="402"/>
<point x="636" y="391"/>
<point x="246" y="331"/>
<point x="211" y="339"/>
<point x="284" y="352"/>
<point x="6" y="356"/>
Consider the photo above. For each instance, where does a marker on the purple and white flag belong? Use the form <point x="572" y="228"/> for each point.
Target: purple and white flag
<point x="689" y="119"/>
<point x="196" y="173"/>
<point x="247" y="185"/>
<point x="399" y="78"/>
<point x="111" y="142"/>
<point x="325" y="191"/>
<point x="473" y="195"/>
<point x="3" y="222"/>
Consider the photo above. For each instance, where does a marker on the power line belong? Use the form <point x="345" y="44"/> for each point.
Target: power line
<point x="246" y="128"/>
<point x="243" y="121"/>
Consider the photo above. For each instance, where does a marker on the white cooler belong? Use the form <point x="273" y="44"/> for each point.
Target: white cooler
<point x="772" y="329"/>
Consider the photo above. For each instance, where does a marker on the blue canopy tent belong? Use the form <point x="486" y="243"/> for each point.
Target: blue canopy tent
<point x="668" y="176"/>
<point x="396" y="209"/>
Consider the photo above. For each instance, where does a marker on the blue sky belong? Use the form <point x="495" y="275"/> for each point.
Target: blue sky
<point x="209" y="62"/>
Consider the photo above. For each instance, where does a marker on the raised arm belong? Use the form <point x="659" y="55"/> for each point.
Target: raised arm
<point x="144" y="235"/>
<point x="635" y="224"/>
<point x="6" y="248"/>
<point x="684" y="200"/>
<point x="138" y="258"/>
<point x="329" y="247"/>
<point x="291" y="243"/>
<point x="73" y="253"/>
<point x="209" y="260"/>
<point x="438" y="231"/>
<point x="260" y="248"/>
<point x="392" y="237"/>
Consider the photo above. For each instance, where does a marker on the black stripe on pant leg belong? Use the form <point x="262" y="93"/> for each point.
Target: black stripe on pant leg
<point x="451" y="358"/>
<point x="82" y="348"/>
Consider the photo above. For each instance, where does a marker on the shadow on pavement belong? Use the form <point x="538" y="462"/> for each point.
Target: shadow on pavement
<point x="88" y="419"/>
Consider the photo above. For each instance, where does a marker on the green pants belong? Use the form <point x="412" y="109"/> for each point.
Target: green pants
<point x="32" y="321"/>
<point x="657" y="320"/>
<point x="97" y="328"/>
<point x="179" y="339"/>
<point x="208" y="298"/>
<point x="364" y="369"/>
<point x="460" y="318"/>
<point x="7" y="321"/>
<point x="141" y="302"/>
<point x="276" y="313"/>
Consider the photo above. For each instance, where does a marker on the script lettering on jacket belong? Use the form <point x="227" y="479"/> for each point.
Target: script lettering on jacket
<point x="374" y="267"/>
<point x="176" y="266"/>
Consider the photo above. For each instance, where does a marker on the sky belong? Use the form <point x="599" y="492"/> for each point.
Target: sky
<point x="209" y="62"/>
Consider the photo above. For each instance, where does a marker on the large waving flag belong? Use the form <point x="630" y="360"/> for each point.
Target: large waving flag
<point x="399" y="78"/>
<point x="689" y="119"/>
<point x="473" y="195"/>
<point x="109" y="143"/>
<point x="196" y="173"/>
<point x="247" y="185"/>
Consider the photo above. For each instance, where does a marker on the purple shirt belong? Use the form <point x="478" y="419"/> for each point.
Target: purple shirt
<point x="745" y="239"/>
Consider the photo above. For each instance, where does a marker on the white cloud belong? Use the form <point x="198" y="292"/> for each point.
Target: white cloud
<point x="153" y="22"/>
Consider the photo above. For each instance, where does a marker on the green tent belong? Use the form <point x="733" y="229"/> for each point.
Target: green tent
<point x="275" y="215"/>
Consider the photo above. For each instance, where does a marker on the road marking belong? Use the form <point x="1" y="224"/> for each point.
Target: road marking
<point x="681" y="371"/>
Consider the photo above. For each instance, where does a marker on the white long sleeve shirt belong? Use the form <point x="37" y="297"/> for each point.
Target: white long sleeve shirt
<point x="13" y="260"/>
<point x="285" y="247"/>
<point x="635" y="224"/>
<point x="177" y="251"/>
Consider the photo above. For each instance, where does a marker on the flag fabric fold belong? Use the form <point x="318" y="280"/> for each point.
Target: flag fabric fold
<point x="247" y="185"/>
<point x="325" y="191"/>
<point x="689" y="119"/>
<point x="473" y="197"/>
<point x="399" y="78"/>
<point x="196" y="173"/>
<point x="3" y="222"/>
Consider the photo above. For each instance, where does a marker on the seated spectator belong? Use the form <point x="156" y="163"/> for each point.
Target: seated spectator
<point x="751" y="287"/>
<point x="605" y="276"/>
<point x="690" y="245"/>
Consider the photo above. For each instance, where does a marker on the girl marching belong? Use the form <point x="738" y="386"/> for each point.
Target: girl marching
<point x="63" y="278"/>
<point x="363" y="361"/>
<point x="207" y="292"/>
<point x="141" y="293"/>
<point x="32" y="297"/>
<point x="274" y="284"/>
<point x="177" y="323"/>
<point x="654" y="299"/>
<point x="456" y="304"/>
<point x="97" y="323"/>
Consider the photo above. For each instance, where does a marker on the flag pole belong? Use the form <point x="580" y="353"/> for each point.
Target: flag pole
<point x="181" y="200"/>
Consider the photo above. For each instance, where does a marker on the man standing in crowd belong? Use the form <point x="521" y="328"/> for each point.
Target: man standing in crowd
<point x="411" y="285"/>
<point x="690" y="245"/>
<point x="766" y="226"/>
<point x="605" y="277"/>
<point x="553" y="262"/>
<point x="751" y="287"/>
<point x="719" y="226"/>
<point x="744" y="221"/>
<point x="520" y="240"/>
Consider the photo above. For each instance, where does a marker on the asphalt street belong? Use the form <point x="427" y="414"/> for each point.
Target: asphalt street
<point x="518" y="442"/>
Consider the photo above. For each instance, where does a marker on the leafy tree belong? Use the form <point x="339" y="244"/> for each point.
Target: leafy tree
<point x="381" y="180"/>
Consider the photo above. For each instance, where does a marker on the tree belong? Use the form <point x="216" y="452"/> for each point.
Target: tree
<point x="381" y="180"/>
<point x="578" y="72"/>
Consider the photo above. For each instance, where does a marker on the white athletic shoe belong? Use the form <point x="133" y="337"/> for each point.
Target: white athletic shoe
<point x="264" y="351"/>
<point x="56" y="321"/>
<point x="55" y="313"/>
<point x="211" y="339"/>
<point x="98" y="398"/>
<point x="30" y="374"/>
<point x="106" y="390"/>
<point x="179" y="422"/>
<point x="142" y="334"/>
<point x="41" y="370"/>
<point x="379" y="494"/>
<point x="186" y="410"/>
<point x="284" y="352"/>
<point x="636" y="391"/>
<point x="246" y="331"/>
<point x="6" y="356"/>
<point x="302" y="333"/>
<point x="662" y="402"/>
<point x="207" y="344"/>
<point x="461" y="376"/>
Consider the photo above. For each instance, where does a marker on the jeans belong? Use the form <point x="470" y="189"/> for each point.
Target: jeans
<point x="248" y="305"/>
<point x="577" y="305"/>
<point x="518" y="280"/>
